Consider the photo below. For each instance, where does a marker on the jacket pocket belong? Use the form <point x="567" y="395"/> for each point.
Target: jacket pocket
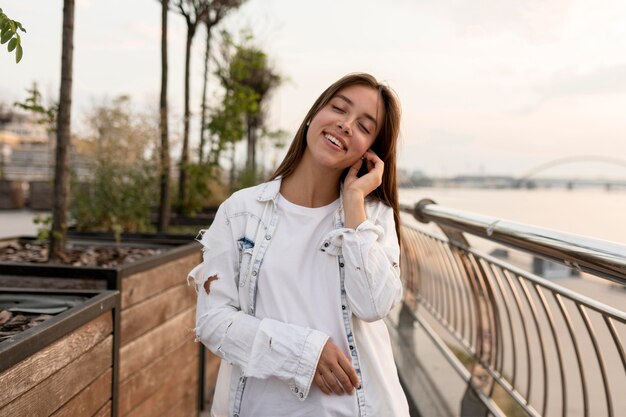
<point x="246" y="248"/>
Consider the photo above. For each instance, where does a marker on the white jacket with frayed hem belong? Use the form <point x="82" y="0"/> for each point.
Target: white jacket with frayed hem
<point x="368" y="264"/>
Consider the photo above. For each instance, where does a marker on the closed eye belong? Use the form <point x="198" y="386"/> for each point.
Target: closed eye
<point x="339" y="109"/>
<point x="363" y="128"/>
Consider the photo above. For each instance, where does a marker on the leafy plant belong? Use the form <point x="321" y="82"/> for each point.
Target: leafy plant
<point x="9" y="33"/>
<point x="47" y="115"/>
<point x="45" y="227"/>
<point x="121" y="192"/>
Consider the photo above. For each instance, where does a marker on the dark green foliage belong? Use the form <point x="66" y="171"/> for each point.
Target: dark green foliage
<point x="9" y="33"/>
<point x="123" y="188"/>
<point x="200" y="175"/>
<point x="247" y="79"/>
<point x="45" y="115"/>
<point x="118" y="199"/>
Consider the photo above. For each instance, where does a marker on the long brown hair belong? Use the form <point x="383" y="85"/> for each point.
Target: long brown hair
<point x="385" y="144"/>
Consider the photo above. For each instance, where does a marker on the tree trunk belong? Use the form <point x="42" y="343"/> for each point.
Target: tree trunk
<point x="164" y="202"/>
<point x="203" y="123"/>
<point x="184" y="157"/>
<point x="231" y="178"/>
<point x="251" y="148"/>
<point x="58" y="234"/>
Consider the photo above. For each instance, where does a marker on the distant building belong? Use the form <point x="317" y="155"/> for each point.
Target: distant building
<point x="27" y="148"/>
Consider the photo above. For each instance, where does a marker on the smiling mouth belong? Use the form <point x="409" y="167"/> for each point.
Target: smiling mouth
<point x="334" y="141"/>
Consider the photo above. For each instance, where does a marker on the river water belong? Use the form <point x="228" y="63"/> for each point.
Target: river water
<point x="591" y="212"/>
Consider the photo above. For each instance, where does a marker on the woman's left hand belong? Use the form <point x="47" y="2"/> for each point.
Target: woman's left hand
<point x="369" y="182"/>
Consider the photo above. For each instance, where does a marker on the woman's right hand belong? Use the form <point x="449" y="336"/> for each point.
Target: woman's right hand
<point x="334" y="372"/>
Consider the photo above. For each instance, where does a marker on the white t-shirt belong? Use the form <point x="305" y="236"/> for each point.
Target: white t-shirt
<point x="299" y="284"/>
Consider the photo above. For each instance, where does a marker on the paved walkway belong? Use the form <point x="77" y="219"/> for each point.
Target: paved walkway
<point x="18" y="222"/>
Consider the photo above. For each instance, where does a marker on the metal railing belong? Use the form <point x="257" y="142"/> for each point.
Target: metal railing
<point x="523" y="345"/>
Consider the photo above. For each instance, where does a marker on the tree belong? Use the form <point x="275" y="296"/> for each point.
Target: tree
<point x="8" y="33"/>
<point x="194" y="12"/>
<point x="248" y="80"/>
<point x="58" y="233"/>
<point x="217" y="10"/>
<point x="164" y="154"/>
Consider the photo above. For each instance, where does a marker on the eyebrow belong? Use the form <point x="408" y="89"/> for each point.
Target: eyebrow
<point x="350" y="102"/>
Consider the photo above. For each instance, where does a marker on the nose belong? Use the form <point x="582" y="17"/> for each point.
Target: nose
<point x="345" y="126"/>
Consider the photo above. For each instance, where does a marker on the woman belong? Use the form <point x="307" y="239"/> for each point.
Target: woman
<point x="299" y="272"/>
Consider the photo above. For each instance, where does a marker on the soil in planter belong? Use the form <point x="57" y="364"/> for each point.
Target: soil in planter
<point x="21" y="311"/>
<point x="12" y="324"/>
<point x="83" y="255"/>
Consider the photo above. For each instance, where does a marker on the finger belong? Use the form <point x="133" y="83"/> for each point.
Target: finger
<point x="347" y="367"/>
<point x="331" y="381"/>
<point x="354" y="169"/>
<point x="370" y="155"/>
<point x="343" y="379"/>
<point x="319" y="381"/>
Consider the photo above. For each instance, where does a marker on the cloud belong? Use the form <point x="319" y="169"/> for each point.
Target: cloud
<point x="601" y="81"/>
<point x="611" y="80"/>
<point x="444" y="138"/>
<point x="536" y="21"/>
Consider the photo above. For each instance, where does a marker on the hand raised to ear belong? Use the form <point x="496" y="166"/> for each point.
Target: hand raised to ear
<point x="369" y="182"/>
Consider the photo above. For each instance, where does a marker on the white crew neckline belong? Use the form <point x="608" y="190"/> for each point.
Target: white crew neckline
<point x="292" y="207"/>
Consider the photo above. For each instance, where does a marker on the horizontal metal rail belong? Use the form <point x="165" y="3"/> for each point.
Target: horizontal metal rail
<point x="538" y="348"/>
<point x="598" y="257"/>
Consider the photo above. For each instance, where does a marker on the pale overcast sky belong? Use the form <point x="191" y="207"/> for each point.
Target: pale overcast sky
<point x="490" y="86"/>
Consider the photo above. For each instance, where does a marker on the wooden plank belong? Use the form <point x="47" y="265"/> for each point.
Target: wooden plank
<point x="211" y="368"/>
<point x="147" y="348"/>
<point x="187" y="407"/>
<point x="53" y="392"/>
<point x="87" y="402"/>
<point x="105" y="411"/>
<point x="154" y="311"/>
<point x="140" y="286"/>
<point x="144" y="383"/>
<point x="169" y="394"/>
<point x="34" y="369"/>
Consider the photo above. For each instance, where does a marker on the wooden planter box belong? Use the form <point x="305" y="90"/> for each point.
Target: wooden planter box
<point x="12" y="195"/>
<point x="65" y="366"/>
<point x="40" y="195"/>
<point x="161" y="367"/>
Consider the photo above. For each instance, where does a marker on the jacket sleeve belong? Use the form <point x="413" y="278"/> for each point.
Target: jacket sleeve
<point x="260" y="347"/>
<point x="372" y="256"/>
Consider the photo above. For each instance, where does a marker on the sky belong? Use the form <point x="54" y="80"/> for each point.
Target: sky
<point x="487" y="87"/>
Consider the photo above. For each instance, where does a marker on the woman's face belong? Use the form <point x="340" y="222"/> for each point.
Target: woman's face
<point x="346" y="127"/>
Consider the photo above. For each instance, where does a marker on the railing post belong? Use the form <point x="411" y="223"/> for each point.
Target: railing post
<point x="481" y="382"/>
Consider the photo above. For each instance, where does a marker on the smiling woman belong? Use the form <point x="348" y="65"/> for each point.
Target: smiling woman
<point x="303" y="335"/>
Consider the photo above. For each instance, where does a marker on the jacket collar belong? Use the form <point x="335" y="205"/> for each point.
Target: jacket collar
<point x="270" y="190"/>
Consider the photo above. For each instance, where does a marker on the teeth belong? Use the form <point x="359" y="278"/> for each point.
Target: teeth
<point x="334" y="140"/>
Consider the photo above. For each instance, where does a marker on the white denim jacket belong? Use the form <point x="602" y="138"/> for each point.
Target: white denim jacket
<point x="233" y="251"/>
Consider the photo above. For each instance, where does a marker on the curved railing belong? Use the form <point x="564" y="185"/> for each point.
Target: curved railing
<point x="524" y="345"/>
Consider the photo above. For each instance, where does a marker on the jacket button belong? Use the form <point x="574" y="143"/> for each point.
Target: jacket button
<point x="268" y="237"/>
<point x="254" y="273"/>
<point x="326" y="244"/>
<point x="295" y="390"/>
<point x="341" y="264"/>
<point x="301" y="395"/>
<point x="351" y="347"/>
<point x="343" y="307"/>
